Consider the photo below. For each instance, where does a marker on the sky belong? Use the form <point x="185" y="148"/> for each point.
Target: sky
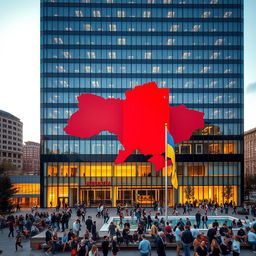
<point x="20" y="63"/>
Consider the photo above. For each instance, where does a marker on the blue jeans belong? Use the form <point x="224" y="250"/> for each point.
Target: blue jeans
<point x="253" y="244"/>
<point x="144" y="254"/>
<point x="186" y="249"/>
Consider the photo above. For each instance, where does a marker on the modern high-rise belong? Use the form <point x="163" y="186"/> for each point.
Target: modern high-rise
<point x="11" y="137"/>
<point x="31" y="156"/>
<point x="106" y="47"/>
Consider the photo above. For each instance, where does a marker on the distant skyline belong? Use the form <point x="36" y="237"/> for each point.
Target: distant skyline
<point x="20" y="63"/>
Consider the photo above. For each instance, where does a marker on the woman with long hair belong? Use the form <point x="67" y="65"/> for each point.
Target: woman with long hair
<point x="215" y="248"/>
<point x="94" y="251"/>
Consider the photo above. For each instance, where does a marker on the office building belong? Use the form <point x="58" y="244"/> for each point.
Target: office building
<point x="11" y="137"/>
<point x="193" y="47"/>
<point x="31" y="156"/>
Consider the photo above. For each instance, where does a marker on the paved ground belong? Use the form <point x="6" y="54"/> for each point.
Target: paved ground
<point x="8" y="244"/>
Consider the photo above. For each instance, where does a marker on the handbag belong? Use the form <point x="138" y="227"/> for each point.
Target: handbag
<point x="73" y="252"/>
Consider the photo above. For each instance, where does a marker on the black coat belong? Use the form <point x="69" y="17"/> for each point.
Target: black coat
<point x="160" y="247"/>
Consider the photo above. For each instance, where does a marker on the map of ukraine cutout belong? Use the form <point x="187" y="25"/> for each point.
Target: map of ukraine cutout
<point x="138" y="121"/>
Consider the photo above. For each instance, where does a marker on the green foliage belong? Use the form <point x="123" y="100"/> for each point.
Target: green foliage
<point x="6" y="165"/>
<point x="189" y="192"/>
<point x="6" y="192"/>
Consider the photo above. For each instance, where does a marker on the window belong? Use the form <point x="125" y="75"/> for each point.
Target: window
<point x="110" y="1"/>
<point x="121" y="41"/>
<point x="146" y="14"/>
<point x="206" y="14"/>
<point x="79" y="13"/>
<point x="96" y="13"/>
<point x="174" y="28"/>
<point x="171" y="41"/>
<point x="196" y="170"/>
<point x="227" y="70"/>
<point x="95" y="84"/>
<point x="186" y="55"/>
<point x="147" y="55"/>
<point x="170" y="14"/>
<point x="112" y="27"/>
<point x="205" y="69"/>
<point x="57" y="40"/>
<point x="180" y="69"/>
<point x="67" y="55"/>
<point x="214" y="1"/>
<point x="196" y="28"/>
<point x="227" y="14"/>
<point x="199" y="148"/>
<point x="91" y="55"/>
<point x="120" y="14"/>
<point x="110" y="69"/>
<point x="64" y="83"/>
<point x="60" y="68"/>
<point x="68" y="29"/>
<point x="218" y="41"/>
<point x="87" y="27"/>
<point x="112" y="55"/>
<point x="155" y="69"/>
<point x="185" y="149"/>
<point x="87" y="69"/>
<point x="151" y="1"/>
<point x="214" y="56"/>
<point x="167" y="1"/>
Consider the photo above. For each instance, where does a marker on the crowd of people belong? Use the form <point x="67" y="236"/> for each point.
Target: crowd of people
<point x="198" y="233"/>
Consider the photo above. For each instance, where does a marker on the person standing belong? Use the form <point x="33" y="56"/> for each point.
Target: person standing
<point x="89" y="223"/>
<point x="18" y="241"/>
<point x="236" y="246"/>
<point x="202" y="249"/>
<point x="144" y="246"/>
<point x="76" y="227"/>
<point x="160" y="245"/>
<point x="105" y="246"/>
<point x="178" y="239"/>
<point x="115" y="248"/>
<point x="198" y="219"/>
<point x="187" y="239"/>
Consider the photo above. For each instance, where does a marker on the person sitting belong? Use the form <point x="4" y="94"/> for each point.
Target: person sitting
<point x="34" y="230"/>
<point x="135" y="237"/>
<point x="64" y="241"/>
<point x="126" y="236"/>
<point x="241" y="235"/>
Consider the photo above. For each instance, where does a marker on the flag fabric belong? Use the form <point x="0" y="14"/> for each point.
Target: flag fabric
<point x="171" y="154"/>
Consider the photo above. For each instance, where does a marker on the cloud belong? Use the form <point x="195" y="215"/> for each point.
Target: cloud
<point x="251" y="88"/>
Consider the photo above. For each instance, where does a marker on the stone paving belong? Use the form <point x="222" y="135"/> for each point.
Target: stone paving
<point x="7" y="245"/>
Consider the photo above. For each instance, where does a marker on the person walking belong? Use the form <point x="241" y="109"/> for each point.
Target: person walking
<point x="160" y="245"/>
<point x="187" y="239"/>
<point x="11" y="228"/>
<point x="144" y="247"/>
<point x="105" y="246"/>
<point x="18" y="241"/>
<point x="198" y="219"/>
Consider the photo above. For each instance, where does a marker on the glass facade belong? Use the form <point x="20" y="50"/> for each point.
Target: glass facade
<point x="193" y="47"/>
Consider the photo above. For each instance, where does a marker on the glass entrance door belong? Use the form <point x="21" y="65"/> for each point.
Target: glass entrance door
<point x="63" y="201"/>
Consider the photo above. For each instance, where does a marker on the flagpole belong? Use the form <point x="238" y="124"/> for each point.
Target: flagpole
<point x="166" y="176"/>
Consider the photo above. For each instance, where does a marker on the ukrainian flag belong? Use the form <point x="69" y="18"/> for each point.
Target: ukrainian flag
<point x="171" y="154"/>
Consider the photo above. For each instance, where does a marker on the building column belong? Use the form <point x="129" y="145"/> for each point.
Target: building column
<point x="114" y="195"/>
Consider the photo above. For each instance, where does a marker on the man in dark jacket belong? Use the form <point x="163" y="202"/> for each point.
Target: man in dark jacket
<point x="187" y="239"/>
<point x="160" y="245"/>
<point x="105" y="246"/>
<point x="198" y="219"/>
<point x="89" y="223"/>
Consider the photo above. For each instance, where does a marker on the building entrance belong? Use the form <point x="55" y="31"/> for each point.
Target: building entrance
<point x="63" y="201"/>
<point x="94" y="197"/>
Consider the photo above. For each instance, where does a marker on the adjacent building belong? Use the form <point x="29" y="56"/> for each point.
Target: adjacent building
<point x="193" y="47"/>
<point x="11" y="137"/>
<point x="31" y="156"/>
<point x="250" y="153"/>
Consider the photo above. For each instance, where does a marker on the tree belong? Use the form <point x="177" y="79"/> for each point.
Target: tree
<point x="7" y="165"/>
<point x="189" y="193"/>
<point x="6" y="192"/>
<point x="228" y="192"/>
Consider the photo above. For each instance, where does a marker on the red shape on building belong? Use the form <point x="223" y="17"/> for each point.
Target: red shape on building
<point x="138" y="121"/>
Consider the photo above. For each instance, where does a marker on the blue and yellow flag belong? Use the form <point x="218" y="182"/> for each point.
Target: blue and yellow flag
<point x="171" y="154"/>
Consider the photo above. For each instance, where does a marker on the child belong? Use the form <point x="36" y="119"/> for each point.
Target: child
<point x="18" y="241"/>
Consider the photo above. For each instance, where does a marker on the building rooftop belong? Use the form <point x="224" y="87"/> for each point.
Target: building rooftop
<point x="8" y="115"/>
<point x="250" y="131"/>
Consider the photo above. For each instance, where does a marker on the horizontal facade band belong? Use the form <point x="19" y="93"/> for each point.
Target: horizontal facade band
<point x="123" y="90"/>
<point x="114" y="137"/>
<point x="139" y="158"/>
<point x="122" y="182"/>
<point x="140" y="33"/>
<point x="138" y="19"/>
<point x="135" y="5"/>
<point x="141" y="47"/>
<point x="140" y="75"/>
<point x="139" y="61"/>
